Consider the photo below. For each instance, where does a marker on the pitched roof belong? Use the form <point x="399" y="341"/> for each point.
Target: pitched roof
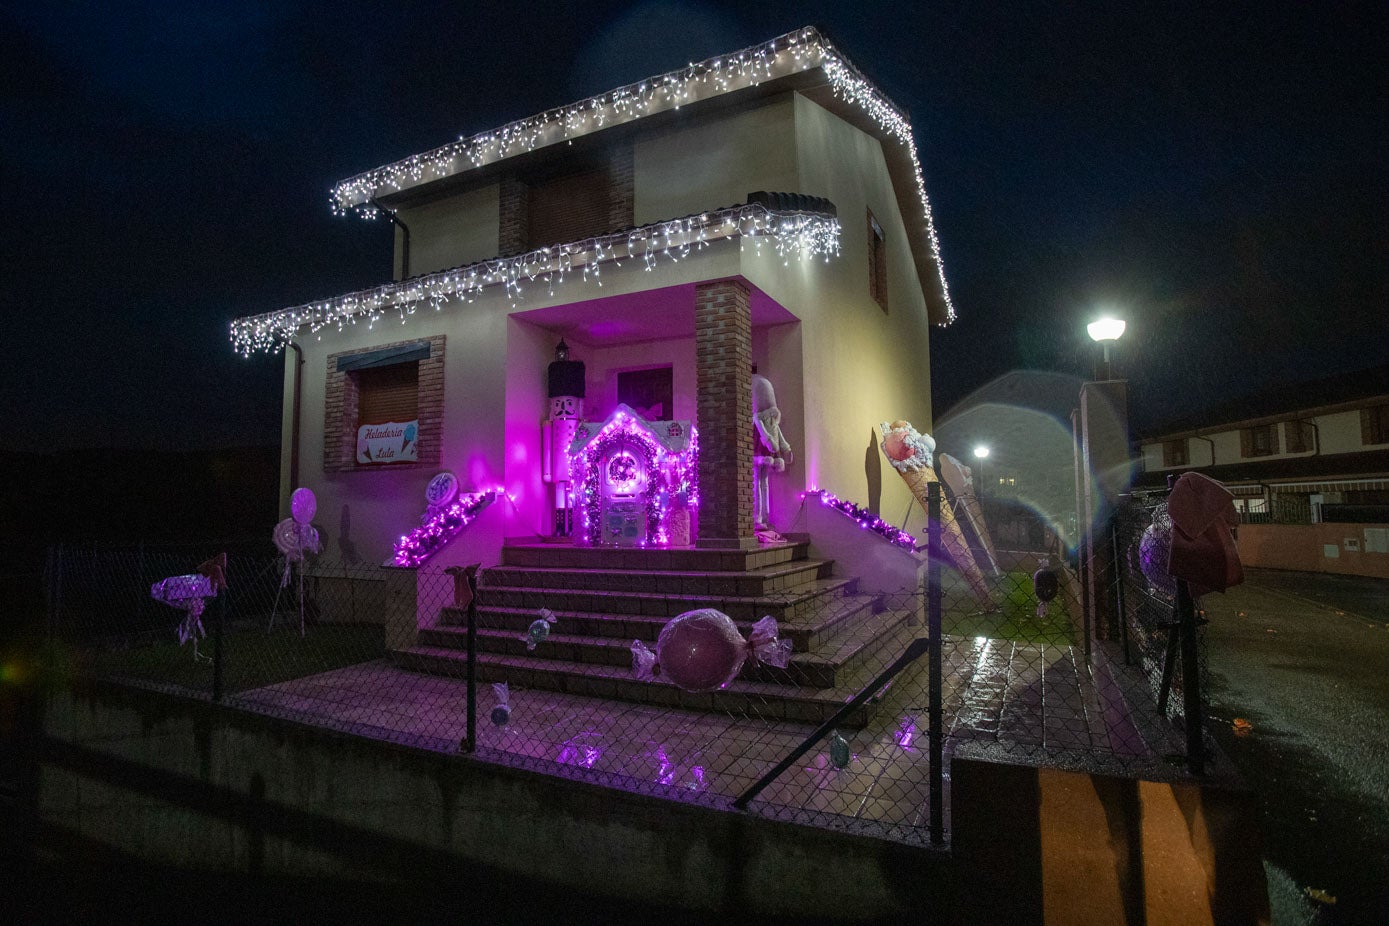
<point x="789" y="59"/>
<point x="1282" y="401"/>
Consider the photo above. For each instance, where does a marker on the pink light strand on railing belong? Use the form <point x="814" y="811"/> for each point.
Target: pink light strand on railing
<point x="439" y="528"/>
<point x="866" y="519"/>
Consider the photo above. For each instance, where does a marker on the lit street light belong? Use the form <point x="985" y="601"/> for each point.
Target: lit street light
<point x="1106" y="331"/>
<point x="981" y="453"/>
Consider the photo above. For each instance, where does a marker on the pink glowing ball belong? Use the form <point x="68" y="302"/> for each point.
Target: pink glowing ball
<point x="896" y="447"/>
<point x="701" y="650"/>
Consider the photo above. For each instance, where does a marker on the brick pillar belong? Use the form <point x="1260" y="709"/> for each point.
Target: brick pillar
<point x="723" y="365"/>
<point x="514" y="214"/>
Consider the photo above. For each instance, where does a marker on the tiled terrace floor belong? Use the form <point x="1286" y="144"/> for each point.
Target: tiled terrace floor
<point x="1034" y="699"/>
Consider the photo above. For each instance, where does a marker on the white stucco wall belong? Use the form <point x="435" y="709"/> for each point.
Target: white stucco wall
<point x="1338" y="432"/>
<point x="450" y="232"/>
<point x="861" y="365"/>
<point x="715" y="161"/>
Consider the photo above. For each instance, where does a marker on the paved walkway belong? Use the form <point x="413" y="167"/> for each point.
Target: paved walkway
<point x="1304" y="659"/>
<point x="1035" y="699"/>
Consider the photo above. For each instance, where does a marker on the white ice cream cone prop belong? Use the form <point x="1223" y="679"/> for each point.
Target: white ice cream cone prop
<point x="909" y="452"/>
<point x="959" y="479"/>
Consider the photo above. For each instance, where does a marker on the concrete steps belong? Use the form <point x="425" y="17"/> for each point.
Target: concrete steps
<point x="824" y="668"/>
<point x="605" y="598"/>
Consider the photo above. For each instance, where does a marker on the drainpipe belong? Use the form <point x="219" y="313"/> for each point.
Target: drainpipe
<point x="294" y="415"/>
<point x="405" y="238"/>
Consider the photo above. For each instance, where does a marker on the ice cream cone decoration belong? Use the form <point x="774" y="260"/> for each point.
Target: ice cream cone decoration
<point x="959" y="479"/>
<point x="909" y="451"/>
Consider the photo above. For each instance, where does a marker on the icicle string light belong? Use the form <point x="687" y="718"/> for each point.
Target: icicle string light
<point x="802" y="235"/>
<point x="866" y="519"/>
<point x="783" y="56"/>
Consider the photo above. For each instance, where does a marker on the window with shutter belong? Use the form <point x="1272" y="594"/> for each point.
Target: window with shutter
<point x="1258" y="442"/>
<point x="570" y="208"/>
<point x="1374" y="425"/>
<point x="1298" y="436"/>
<point x="877" y="262"/>
<point x="1174" y="453"/>
<point x="388" y="394"/>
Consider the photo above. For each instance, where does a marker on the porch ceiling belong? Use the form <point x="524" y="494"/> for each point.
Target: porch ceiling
<point x="650" y="315"/>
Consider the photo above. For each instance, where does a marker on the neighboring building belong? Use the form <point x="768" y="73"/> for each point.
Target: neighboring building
<point x="632" y="226"/>
<point x="1314" y="453"/>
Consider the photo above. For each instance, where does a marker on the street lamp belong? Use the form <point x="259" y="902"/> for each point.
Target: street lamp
<point x="981" y="453"/>
<point x="1106" y="330"/>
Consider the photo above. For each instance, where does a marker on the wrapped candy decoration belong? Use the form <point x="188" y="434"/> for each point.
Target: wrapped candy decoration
<point x="839" y="751"/>
<point x="189" y="593"/>
<point x="539" y="629"/>
<point x="1155" y="551"/>
<point x="501" y="713"/>
<point x="703" y="651"/>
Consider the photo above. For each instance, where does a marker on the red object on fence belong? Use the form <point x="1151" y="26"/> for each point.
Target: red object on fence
<point x="1203" y="543"/>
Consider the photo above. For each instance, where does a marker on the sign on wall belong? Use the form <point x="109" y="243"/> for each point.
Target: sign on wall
<point x="392" y="442"/>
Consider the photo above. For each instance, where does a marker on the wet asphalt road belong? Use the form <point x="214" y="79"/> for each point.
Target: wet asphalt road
<point x="1305" y="659"/>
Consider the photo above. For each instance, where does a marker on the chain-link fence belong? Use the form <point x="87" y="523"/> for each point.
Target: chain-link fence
<point x="531" y="663"/>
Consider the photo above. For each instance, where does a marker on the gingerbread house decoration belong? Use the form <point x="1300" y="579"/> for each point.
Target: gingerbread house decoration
<point x="636" y="481"/>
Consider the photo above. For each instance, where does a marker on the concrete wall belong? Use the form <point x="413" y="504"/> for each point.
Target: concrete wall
<point x="716" y="161"/>
<point x="450" y="232"/>
<point x="1304" y="547"/>
<point x="195" y="786"/>
<point x="201" y="787"/>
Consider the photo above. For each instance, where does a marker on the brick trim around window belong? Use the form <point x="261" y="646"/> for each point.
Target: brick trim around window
<point x="340" y="411"/>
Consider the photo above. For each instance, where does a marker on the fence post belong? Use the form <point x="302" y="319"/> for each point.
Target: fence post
<point x="1118" y="568"/>
<point x="933" y="623"/>
<point x="217" y="622"/>
<point x="1191" y="680"/>
<point x="472" y="660"/>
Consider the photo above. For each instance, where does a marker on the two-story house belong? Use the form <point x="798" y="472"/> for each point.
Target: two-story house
<point x="1308" y="464"/>
<point x="765" y="207"/>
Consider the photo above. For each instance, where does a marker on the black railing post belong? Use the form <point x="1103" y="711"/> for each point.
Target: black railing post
<point x="1119" y="589"/>
<point x="219" y="619"/>
<point x="1191" y="680"/>
<point x="933" y="621"/>
<point x="472" y="660"/>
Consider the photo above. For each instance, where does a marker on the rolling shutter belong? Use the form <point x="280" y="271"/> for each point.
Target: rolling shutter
<point x="388" y="394"/>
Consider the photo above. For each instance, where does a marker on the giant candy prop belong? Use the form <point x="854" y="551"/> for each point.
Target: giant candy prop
<point x="959" y="479"/>
<point x="909" y="452"/>
<point x="1203" y="545"/>
<point x="189" y="593"/>
<point x="296" y="537"/>
<point x="703" y="651"/>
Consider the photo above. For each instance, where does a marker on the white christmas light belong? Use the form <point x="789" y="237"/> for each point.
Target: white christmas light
<point x="789" y="54"/>
<point x="802" y="235"/>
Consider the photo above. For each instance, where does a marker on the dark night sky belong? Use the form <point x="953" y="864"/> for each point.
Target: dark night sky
<point x="1216" y="172"/>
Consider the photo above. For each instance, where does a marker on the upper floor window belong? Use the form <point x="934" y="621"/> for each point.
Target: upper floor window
<point x="1261" y="441"/>
<point x="1299" y="436"/>
<point x="570" y="207"/>
<point x="877" y="262"/>
<point x="1174" y="453"/>
<point x="1374" y="424"/>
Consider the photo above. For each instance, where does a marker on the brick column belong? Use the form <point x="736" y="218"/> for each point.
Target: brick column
<point x="514" y="220"/>
<point x="723" y="365"/>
